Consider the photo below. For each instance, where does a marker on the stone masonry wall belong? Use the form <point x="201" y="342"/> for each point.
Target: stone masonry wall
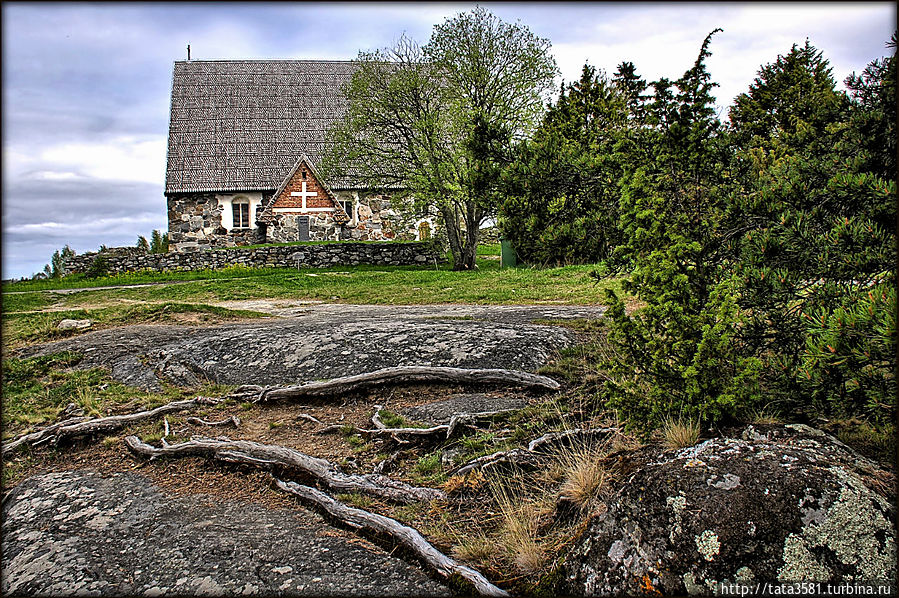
<point x="195" y="224"/>
<point x="305" y="256"/>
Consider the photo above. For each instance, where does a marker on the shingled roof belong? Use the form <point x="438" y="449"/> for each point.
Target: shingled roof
<point x="240" y="125"/>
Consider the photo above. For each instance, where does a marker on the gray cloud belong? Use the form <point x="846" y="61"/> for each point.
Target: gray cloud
<point x="86" y="85"/>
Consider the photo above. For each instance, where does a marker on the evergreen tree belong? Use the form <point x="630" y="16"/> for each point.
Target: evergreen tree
<point x="561" y="192"/>
<point x="633" y="87"/>
<point x="159" y="242"/>
<point x="816" y="253"/>
<point x="790" y="103"/>
<point x="142" y="243"/>
<point x="677" y="356"/>
<point x="58" y="261"/>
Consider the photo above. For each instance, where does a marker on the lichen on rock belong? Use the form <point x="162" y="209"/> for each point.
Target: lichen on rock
<point x="769" y="503"/>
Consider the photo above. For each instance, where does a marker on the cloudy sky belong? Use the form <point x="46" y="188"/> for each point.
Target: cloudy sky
<point x="86" y="86"/>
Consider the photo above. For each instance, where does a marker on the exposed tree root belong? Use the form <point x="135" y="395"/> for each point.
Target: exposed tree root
<point x="267" y="455"/>
<point x="40" y="436"/>
<point x="404" y="435"/>
<point x="516" y="456"/>
<point x="404" y="535"/>
<point x="530" y="455"/>
<point x="228" y="421"/>
<point x="404" y="375"/>
<point x="555" y="438"/>
<point x="81" y="426"/>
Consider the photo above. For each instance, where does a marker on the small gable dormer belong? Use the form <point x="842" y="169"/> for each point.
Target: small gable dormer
<point x="303" y="192"/>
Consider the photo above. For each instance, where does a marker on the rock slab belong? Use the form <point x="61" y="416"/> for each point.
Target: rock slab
<point x="321" y="342"/>
<point x="777" y="504"/>
<point x="83" y="533"/>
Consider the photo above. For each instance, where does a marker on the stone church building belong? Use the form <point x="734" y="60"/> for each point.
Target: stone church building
<point x="244" y="140"/>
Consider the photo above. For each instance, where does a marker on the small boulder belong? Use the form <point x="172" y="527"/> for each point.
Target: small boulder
<point x="775" y="504"/>
<point x="74" y="324"/>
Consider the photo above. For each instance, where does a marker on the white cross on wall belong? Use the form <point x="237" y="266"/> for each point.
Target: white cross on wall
<point x="304" y="194"/>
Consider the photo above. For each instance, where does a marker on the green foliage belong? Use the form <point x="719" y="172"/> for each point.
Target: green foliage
<point x="678" y="355"/>
<point x="563" y="189"/>
<point x="871" y="142"/>
<point x="438" y="120"/>
<point x="791" y="102"/>
<point x="57" y="265"/>
<point x="142" y="243"/>
<point x="98" y="268"/>
<point x="764" y="252"/>
<point x="817" y="236"/>
<point x="848" y="365"/>
<point x="159" y="242"/>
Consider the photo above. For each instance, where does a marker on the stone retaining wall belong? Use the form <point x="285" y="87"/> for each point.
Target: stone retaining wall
<point x="306" y="256"/>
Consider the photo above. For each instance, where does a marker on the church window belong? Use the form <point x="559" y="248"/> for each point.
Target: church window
<point x="347" y="205"/>
<point x="241" y="211"/>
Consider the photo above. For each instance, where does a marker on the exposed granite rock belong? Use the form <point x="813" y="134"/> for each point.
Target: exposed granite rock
<point x="778" y="504"/>
<point x="319" y="342"/>
<point x="68" y="324"/>
<point x="442" y="412"/>
<point x="82" y="533"/>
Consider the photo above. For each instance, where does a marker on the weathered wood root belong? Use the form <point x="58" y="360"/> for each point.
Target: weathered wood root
<point x="39" y="436"/>
<point x="444" y="431"/>
<point x="81" y="426"/>
<point x="404" y="535"/>
<point x="409" y="374"/>
<point x="530" y="455"/>
<point x="576" y="434"/>
<point x="228" y="421"/>
<point x="515" y="456"/>
<point x="267" y="455"/>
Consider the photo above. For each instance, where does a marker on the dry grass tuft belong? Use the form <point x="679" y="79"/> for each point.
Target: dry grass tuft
<point x="680" y="433"/>
<point x="586" y="477"/>
<point x="763" y="416"/>
<point x="585" y="481"/>
<point x="518" y="532"/>
<point x="477" y="549"/>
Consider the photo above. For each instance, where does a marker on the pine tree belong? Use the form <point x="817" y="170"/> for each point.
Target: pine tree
<point x="561" y="191"/>
<point x="816" y="253"/>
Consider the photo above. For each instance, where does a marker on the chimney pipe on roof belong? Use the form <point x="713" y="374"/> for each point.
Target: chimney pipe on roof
<point x="188" y="51"/>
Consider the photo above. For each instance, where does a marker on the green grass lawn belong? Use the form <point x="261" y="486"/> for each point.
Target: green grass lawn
<point x="31" y="310"/>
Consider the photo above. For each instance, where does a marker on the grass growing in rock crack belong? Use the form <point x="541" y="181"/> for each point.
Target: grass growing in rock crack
<point x="27" y="328"/>
<point x="680" y="432"/>
<point x="521" y="516"/>
<point x="38" y="390"/>
<point x="585" y="474"/>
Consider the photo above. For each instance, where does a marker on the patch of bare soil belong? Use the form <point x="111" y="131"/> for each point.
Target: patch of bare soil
<point x="277" y="423"/>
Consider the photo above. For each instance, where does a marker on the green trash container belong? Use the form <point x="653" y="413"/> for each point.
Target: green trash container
<point x="508" y="258"/>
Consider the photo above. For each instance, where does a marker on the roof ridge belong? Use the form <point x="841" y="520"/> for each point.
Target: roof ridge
<point x="268" y="60"/>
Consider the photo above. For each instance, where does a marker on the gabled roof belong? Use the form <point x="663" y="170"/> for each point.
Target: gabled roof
<point x="240" y="125"/>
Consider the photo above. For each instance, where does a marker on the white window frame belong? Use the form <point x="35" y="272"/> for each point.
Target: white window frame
<point x="237" y="204"/>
